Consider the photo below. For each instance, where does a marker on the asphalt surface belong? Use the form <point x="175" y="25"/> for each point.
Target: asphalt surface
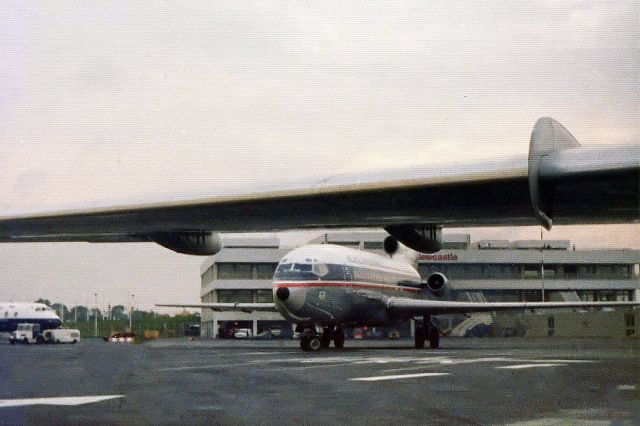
<point x="468" y="381"/>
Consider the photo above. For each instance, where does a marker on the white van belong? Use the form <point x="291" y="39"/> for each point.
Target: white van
<point x="62" y="335"/>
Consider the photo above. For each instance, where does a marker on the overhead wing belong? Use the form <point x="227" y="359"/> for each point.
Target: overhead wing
<point x="560" y="182"/>
<point x="243" y="307"/>
<point x="408" y="307"/>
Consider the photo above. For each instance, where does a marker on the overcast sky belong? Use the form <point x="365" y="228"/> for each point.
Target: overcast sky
<point x="120" y="100"/>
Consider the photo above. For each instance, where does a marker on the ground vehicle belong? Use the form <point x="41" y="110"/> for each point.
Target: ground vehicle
<point x="61" y="335"/>
<point x="243" y="333"/>
<point x="27" y="333"/>
<point x="32" y="333"/>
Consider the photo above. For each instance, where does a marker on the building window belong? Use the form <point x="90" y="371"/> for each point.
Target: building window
<point x="373" y="245"/>
<point x="233" y="271"/>
<point x="265" y="271"/>
<point x="264" y="296"/>
<point x="570" y="271"/>
<point x="234" y="296"/>
<point x="531" y="271"/>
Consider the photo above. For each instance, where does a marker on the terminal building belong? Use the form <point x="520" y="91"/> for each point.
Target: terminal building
<point x="487" y="270"/>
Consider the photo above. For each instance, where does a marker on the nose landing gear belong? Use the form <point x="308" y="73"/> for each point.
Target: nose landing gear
<point x="310" y="341"/>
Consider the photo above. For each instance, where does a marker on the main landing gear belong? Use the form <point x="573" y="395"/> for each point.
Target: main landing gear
<point x="311" y="341"/>
<point x="425" y="330"/>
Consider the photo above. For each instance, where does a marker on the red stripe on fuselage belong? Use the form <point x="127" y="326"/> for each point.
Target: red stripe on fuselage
<point x="381" y="287"/>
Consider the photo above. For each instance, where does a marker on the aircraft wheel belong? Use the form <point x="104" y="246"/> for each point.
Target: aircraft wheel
<point x="338" y="338"/>
<point x="12" y="341"/>
<point x="25" y="341"/>
<point x="434" y="337"/>
<point x="74" y="341"/>
<point x="419" y="337"/>
<point x="314" y="344"/>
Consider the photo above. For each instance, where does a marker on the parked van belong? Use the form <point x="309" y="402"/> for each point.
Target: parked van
<point x="62" y="335"/>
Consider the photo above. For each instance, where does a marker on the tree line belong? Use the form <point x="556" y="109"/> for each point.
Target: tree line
<point x="117" y="319"/>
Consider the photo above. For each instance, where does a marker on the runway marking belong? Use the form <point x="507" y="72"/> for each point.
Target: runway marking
<point x="396" y="377"/>
<point x="66" y="400"/>
<point x="238" y="364"/>
<point x="562" y="361"/>
<point x="626" y="387"/>
<point x="523" y="366"/>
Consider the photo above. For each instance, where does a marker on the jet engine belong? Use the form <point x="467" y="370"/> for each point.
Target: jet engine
<point x="194" y="243"/>
<point x="422" y="238"/>
<point x="436" y="283"/>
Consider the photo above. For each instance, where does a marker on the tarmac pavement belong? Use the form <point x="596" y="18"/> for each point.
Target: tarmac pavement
<point x="467" y="381"/>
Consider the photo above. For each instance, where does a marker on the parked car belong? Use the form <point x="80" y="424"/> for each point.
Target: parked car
<point x="243" y="333"/>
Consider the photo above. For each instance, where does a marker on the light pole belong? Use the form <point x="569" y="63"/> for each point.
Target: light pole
<point x="542" y="262"/>
<point x="131" y="314"/>
<point x="95" y="313"/>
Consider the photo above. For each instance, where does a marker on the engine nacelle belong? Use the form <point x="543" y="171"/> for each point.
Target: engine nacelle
<point x="424" y="238"/>
<point x="194" y="243"/>
<point x="437" y="283"/>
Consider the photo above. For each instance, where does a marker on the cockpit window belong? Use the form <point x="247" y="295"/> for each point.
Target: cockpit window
<point x="295" y="271"/>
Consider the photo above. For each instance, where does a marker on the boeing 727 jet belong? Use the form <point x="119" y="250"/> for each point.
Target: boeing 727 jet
<point x="327" y="287"/>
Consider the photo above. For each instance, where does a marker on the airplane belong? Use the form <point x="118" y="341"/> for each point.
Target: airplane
<point x="12" y="314"/>
<point x="559" y="182"/>
<point x="328" y="287"/>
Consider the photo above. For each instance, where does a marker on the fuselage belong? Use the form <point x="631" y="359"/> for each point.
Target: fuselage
<point x="12" y="314"/>
<point x="334" y="285"/>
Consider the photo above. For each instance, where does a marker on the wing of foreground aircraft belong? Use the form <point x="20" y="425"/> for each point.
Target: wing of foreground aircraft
<point x="417" y="307"/>
<point x="560" y="182"/>
<point x="242" y="307"/>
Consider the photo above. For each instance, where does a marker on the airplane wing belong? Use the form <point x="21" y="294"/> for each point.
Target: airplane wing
<point x="560" y="182"/>
<point x="409" y="307"/>
<point x="243" y="307"/>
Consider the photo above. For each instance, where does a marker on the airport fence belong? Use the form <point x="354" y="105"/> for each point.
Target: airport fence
<point x="166" y="326"/>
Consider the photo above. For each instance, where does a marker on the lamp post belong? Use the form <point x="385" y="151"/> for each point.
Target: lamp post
<point x="95" y="313"/>
<point x="542" y="262"/>
<point x="131" y="313"/>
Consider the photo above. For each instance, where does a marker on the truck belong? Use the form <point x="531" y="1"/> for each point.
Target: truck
<point x="32" y="333"/>
<point x="62" y="335"/>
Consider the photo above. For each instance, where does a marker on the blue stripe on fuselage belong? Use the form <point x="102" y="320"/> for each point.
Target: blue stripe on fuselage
<point x="7" y="325"/>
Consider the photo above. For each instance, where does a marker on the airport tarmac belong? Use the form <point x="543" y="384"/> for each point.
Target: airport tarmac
<point x="468" y="381"/>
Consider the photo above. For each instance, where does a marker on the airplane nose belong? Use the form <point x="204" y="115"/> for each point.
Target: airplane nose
<point x="289" y="301"/>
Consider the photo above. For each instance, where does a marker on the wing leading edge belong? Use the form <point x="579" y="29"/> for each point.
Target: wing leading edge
<point x="409" y="307"/>
<point x="560" y="183"/>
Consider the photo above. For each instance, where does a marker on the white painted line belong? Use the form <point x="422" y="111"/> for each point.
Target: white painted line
<point x="563" y="361"/>
<point x="523" y="366"/>
<point x="626" y="387"/>
<point x="396" y="377"/>
<point x="67" y="400"/>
